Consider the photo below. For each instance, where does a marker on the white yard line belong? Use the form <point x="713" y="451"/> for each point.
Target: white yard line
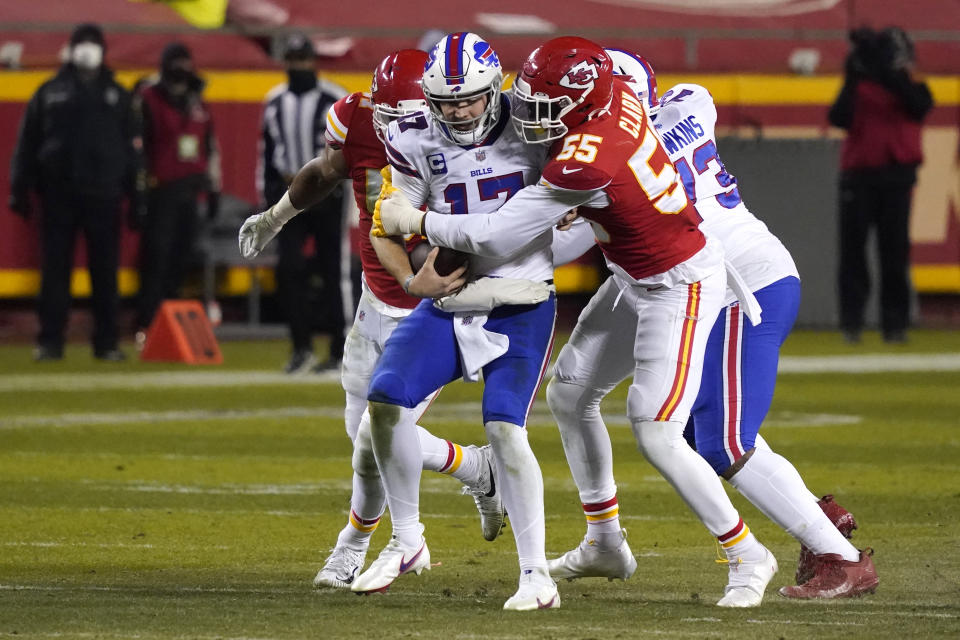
<point x="85" y="381"/>
<point x="539" y="417"/>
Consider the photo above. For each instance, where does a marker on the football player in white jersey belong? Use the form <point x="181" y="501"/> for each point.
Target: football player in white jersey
<point x="355" y="150"/>
<point x="740" y="365"/>
<point x="462" y="157"/>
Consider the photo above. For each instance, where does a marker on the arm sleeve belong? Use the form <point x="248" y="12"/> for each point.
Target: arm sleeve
<point x="569" y="245"/>
<point x="530" y="212"/>
<point x="23" y="164"/>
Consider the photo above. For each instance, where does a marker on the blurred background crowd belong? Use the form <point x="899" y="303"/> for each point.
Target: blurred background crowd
<point x="136" y="135"/>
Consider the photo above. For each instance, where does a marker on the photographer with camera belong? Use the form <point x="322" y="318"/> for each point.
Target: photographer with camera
<point x="882" y="108"/>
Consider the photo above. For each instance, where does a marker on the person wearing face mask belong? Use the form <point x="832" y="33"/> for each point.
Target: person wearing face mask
<point x="294" y="121"/>
<point x="182" y="162"/>
<point x="78" y="150"/>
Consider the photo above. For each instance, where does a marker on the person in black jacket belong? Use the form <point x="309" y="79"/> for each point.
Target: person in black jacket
<point x="78" y="149"/>
<point x="882" y="107"/>
<point x="294" y="120"/>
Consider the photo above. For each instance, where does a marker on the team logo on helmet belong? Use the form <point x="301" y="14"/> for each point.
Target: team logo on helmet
<point x="581" y="76"/>
<point x="485" y="54"/>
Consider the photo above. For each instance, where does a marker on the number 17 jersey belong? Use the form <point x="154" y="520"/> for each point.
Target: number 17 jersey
<point x="470" y="180"/>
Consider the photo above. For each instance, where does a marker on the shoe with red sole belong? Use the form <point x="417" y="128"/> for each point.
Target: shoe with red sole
<point x="842" y="519"/>
<point x="837" y="578"/>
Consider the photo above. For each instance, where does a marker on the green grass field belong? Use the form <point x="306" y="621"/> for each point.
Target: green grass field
<point x="162" y="501"/>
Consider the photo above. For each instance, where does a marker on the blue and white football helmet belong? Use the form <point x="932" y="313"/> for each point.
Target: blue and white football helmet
<point x="463" y="66"/>
<point x="638" y="73"/>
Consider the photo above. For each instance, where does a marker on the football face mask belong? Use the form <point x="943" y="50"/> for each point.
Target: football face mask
<point x="537" y="117"/>
<point x="463" y="67"/>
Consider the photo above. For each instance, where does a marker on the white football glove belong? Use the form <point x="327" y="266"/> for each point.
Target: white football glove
<point x="393" y="214"/>
<point x="257" y="232"/>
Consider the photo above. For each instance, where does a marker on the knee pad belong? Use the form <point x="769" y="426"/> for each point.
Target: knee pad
<point x="363" y="461"/>
<point x="510" y="445"/>
<point x="658" y="440"/>
<point x="573" y="400"/>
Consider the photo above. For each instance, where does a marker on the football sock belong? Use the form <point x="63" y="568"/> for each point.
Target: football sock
<point x="586" y="442"/>
<point x="367" y="499"/>
<point x="521" y="485"/>
<point x="603" y="522"/>
<point x="396" y="446"/>
<point x="692" y="477"/>
<point x="739" y="543"/>
<point x="760" y="443"/>
<point x="444" y="456"/>
<point x="774" y="486"/>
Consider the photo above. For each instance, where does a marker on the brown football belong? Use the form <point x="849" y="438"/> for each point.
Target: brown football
<point x="448" y="260"/>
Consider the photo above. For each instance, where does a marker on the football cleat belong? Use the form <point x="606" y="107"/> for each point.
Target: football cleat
<point x="394" y="561"/>
<point x="842" y="519"/>
<point x="537" y="591"/>
<point x="342" y="566"/>
<point x="590" y="560"/>
<point x="837" y="578"/>
<point x="486" y="496"/>
<point x="748" y="580"/>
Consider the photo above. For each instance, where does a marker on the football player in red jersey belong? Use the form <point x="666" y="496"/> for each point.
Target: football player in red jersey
<point x="651" y="318"/>
<point x="354" y="150"/>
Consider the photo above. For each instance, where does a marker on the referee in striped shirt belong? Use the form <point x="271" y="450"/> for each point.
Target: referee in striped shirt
<point x="293" y="126"/>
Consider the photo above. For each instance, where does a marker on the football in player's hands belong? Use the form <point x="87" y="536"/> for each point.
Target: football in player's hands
<point x="447" y="261"/>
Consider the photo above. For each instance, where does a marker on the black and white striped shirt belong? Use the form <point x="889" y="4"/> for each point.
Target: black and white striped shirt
<point x="292" y="134"/>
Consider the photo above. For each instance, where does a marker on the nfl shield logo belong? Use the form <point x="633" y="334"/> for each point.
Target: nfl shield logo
<point x="481" y="155"/>
<point x="361" y="315"/>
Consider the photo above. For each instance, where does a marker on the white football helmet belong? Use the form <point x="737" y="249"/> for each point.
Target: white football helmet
<point x="638" y="73"/>
<point x="463" y="66"/>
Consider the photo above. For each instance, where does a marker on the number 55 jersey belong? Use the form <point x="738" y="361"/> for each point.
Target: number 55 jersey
<point x="686" y="122"/>
<point x="477" y="179"/>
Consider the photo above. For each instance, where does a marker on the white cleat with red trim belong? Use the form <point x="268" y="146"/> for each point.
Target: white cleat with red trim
<point x="537" y="591"/>
<point x="394" y="561"/>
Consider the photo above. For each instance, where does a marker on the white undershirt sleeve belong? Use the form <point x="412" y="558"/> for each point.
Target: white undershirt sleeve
<point x="414" y="188"/>
<point x="569" y="245"/>
<point x="533" y="210"/>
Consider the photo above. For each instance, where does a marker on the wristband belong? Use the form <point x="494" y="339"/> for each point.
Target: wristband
<point x="406" y="284"/>
<point x="284" y="211"/>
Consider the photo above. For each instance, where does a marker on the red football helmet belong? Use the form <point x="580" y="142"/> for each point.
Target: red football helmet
<point x="395" y="89"/>
<point x="564" y="82"/>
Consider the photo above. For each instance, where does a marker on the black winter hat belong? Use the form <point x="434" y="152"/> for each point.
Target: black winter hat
<point x="298" y="46"/>
<point x="87" y="32"/>
<point x="174" y="51"/>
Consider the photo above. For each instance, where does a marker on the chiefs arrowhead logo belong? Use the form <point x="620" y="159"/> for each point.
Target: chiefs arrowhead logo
<point x="581" y="76"/>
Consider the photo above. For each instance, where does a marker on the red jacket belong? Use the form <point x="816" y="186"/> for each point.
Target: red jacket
<point x="178" y="140"/>
<point x="883" y="124"/>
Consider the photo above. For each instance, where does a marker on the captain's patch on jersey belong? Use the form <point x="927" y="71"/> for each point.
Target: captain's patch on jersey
<point x="438" y="164"/>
